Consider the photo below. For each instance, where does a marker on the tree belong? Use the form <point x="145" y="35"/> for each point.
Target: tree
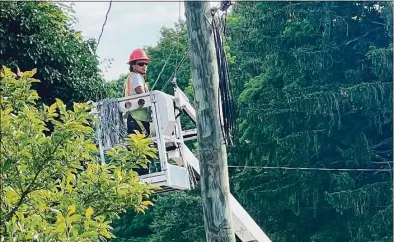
<point x="53" y="185"/>
<point x="171" y="217"/>
<point x="314" y="82"/>
<point x="38" y="34"/>
<point x="168" y="220"/>
<point x="172" y="46"/>
<point x="115" y="87"/>
<point x="133" y="226"/>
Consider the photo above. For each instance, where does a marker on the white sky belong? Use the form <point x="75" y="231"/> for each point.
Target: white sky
<point x="130" y="25"/>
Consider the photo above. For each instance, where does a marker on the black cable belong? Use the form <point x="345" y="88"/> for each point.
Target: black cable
<point x="162" y="69"/>
<point x="227" y="102"/>
<point x="105" y="22"/>
<point x="314" y="168"/>
<point x="175" y="71"/>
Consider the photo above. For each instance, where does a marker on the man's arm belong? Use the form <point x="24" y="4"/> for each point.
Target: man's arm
<point x="137" y="83"/>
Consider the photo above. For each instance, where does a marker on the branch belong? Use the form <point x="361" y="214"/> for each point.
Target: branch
<point x="382" y="143"/>
<point x="382" y="162"/>
<point x="20" y="179"/>
<point x="381" y="152"/>
<point x="31" y="187"/>
<point x="33" y="206"/>
<point x="105" y="211"/>
<point x="378" y="23"/>
<point x="22" y="198"/>
<point x="351" y="41"/>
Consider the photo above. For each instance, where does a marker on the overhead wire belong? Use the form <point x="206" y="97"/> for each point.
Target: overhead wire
<point x="105" y="22"/>
<point x="179" y="34"/>
<point x="162" y="69"/>
<point x="176" y="69"/>
<point x="174" y="75"/>
<point x="176" y="61"/>
<point x="313" y="168"/>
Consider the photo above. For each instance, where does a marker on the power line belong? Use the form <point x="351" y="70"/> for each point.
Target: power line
<point x="176" y="69"/>
<point x="162" y="69"/>
<point x="105" y="22"/>
<point x="172" y="50"/>
<point x="311" y="168"/>
<point x="179" y="33"/>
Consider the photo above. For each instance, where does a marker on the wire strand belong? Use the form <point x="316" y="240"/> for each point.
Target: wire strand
<point x="179" y="33"/>
<point x="177" y="67"/>
<point x="174" y="74"/>
<point x="311" y="168"/>
<point x="226" y="102"/>
<point x="162" y="69"/>
<point x="105" y="22"/>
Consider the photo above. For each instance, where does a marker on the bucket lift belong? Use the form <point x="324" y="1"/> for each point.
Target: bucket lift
<point x="178" y="164"/>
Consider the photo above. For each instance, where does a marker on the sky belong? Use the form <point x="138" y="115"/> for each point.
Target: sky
<point x="130" y="25"/>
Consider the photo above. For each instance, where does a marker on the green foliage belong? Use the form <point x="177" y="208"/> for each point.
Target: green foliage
<point x="172" y="46"/>
<point x="53" y="185"/>
<point x="315" y="90"/>
<point x="178" y="217"/>
<point x="133" y="227"/>
<point x="169" y="220"/>
<point x="38" y="34"/>
<point x="313" y="81"/>
<point x="115" y="87"/>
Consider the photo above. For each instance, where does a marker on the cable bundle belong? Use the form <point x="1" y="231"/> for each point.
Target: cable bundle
<point x="226" y="99"/>
<point x="112" y="127"/>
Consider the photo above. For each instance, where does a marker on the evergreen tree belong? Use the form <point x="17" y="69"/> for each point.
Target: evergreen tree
<point x="314" y="81"/>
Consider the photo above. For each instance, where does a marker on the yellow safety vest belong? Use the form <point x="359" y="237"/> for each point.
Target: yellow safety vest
<point x="141" y="114"/>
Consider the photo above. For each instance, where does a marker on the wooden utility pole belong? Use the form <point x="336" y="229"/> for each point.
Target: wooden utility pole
<point x="212" y="150"/>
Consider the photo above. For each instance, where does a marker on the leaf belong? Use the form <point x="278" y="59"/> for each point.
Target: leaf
<point x="30" y="73"/>
<point x="146" y="203"/>
<point x="89" y="234"/>
<point x="60" y="223"/>
<point x="118" y="175"/>
<point x="29" y="235"/>
<point x="89" y="212"/>
<point x="21" y="217"/>
<point x="69" y="180"/>
<point x="11" y="196"/>
<point x="106" y="234"/>
<point x="52" y="108"/>
<point x="140" y="210"/>
<point x="71" y="210"/>
<point x="74" y="218"/>
<point x="61" y="106"/>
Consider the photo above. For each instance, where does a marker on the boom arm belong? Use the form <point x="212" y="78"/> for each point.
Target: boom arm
<point x="176" y="159"/>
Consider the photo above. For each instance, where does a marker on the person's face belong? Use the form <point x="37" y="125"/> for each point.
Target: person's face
<point x="141" y="67"/>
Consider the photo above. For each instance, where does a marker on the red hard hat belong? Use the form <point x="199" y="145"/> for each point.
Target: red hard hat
<point x="138" y="54"/>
